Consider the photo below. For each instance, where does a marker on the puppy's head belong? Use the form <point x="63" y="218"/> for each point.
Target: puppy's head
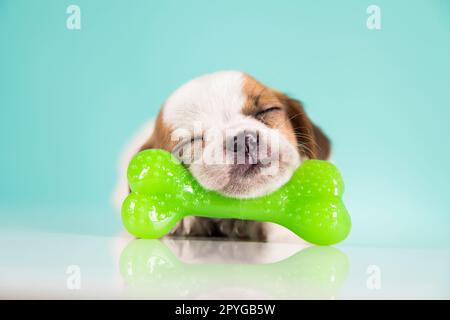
<point x="237" y="136"/>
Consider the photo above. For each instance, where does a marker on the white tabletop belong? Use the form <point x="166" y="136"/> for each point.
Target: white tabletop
<point x="41" y="265"/>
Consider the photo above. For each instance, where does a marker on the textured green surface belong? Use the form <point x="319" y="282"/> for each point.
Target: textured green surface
<point x="163" y="192"/>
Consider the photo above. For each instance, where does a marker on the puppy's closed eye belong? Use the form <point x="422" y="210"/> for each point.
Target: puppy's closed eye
<point x="266" y="115"/>
<point x="184" y="147"/>
<point x="185" y="142"/>
<point x="266" y="111"/>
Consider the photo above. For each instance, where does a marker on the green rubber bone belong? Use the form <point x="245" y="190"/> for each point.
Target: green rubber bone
<point x="163" y="191"/>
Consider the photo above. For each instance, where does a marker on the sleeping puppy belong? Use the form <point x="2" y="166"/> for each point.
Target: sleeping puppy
<point x="237" y="137"/>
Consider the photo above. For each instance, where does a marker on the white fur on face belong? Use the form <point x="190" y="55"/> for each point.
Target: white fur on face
<point x="213" y="104"/>
<point x="211" y="99"/>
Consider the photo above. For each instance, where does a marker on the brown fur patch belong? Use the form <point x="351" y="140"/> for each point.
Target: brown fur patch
<point x="161" y="136"/>
<point x="293" y="123"/>
<point x="257" y="96"/>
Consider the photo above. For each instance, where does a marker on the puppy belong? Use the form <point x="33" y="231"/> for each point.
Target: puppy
<point x="238" y="137"/>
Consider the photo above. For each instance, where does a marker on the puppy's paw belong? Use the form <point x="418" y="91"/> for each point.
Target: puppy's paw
<point x="233" y="229"/>
<point x="194" y="227"/>
<point x="242" y="229"/>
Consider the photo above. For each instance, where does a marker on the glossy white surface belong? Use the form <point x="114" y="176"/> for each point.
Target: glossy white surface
<point x="67" y="266"/>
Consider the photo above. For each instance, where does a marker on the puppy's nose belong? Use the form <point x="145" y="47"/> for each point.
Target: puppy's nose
<point x="245" y="144"/>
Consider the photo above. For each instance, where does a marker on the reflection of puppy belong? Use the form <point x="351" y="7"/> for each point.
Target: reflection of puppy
<point x="264" y="136"/>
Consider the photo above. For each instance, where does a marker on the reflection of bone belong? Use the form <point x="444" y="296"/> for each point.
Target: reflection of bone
<point x="149" y="269"/>
<point x="164" y="192"/>
<point x="220" y="251"/>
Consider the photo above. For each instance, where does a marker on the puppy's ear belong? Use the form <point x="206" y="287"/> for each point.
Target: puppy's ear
<point x="148" y="144"/>
<point x="159" y="136"/>
<point x="312" y="142"/>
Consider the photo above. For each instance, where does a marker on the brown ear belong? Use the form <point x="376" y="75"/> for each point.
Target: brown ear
<point x="147" y="145"/>
<point x="160" y="136"/>
<point x="311" y="140"/>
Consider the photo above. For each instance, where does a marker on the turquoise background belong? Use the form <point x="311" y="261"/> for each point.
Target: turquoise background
<point x="71" y="99"/>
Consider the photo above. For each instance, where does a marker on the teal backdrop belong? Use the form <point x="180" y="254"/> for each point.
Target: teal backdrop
<point x="71" y="99"/>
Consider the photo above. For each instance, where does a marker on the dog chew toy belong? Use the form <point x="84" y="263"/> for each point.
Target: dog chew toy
<point x="163" y="191"/>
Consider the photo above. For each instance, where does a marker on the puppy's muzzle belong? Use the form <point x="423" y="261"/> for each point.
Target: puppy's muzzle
<point x="244" y="147"/>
